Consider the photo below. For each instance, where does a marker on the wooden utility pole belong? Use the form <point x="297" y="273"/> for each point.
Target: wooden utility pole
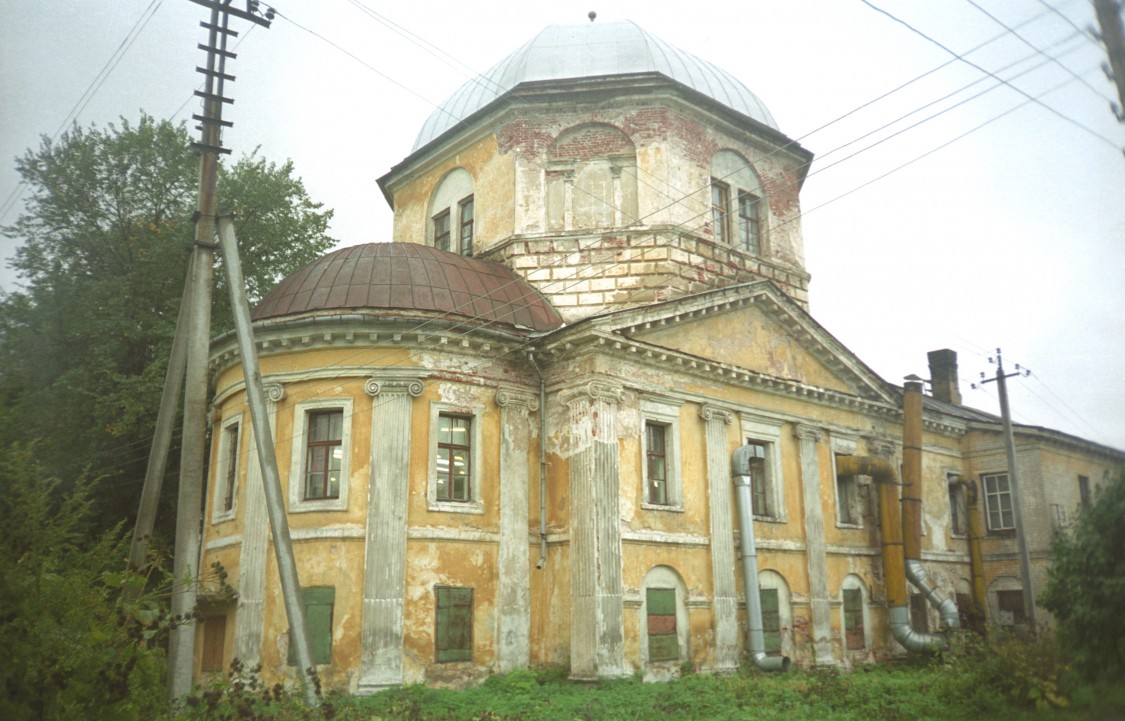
<point x="1014" y="488"/>
<point x="1113" y="36"/>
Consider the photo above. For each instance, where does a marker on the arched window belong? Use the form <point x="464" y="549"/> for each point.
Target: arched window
<point x="738" y="207"/>
<point x="856" y="622"/>
<point x="777" y="614"/>
<point x="451" y="224"/>
<point x="591" y="179"/>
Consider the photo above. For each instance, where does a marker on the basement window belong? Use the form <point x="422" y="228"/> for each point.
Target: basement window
<point x="453" y="632"/>
<point x="319" y="603"/>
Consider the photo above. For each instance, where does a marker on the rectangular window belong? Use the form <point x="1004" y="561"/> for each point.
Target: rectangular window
<point x="1010" y="605"/>
<point x="454" y="452"/>
<point x="998" y="502"/>
<point x="771" y="620"/>
<point x="230" y="438"/>
<point x="919" y="615"/>
<point x="656" y="463"/>
<point x="319" y="604"/>
<point x="720" y="211"/>
<point x="958" y="510"/>
<point x="849" y="502"/>
<point x="214" y="639"/>
<point x="454" y="624"/>
<point x="324" y="453"/>
<point x="853" y="618"/>
<point x="663" y="641"/>
<point x="749" y="225"/>
<point x="1084" y="490"/>
<point x="760" y="496"/>
<point x="466" y="207"/>
<point x="441" y="230"/>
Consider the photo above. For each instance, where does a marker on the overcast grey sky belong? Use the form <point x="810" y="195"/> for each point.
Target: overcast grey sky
<point x="1000" y="221"/>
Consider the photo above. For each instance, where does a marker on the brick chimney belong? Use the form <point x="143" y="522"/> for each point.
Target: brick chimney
<point x="943" y="375"/>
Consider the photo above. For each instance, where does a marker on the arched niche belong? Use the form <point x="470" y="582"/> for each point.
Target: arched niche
<point x="591" y="179"/>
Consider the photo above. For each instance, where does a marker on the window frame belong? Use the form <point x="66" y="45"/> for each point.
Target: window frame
<point x="848" y="496"/>
<point x="224" y="473"/>
<point x="463" y="248"/>
<point x="1085" y="498"/>
<point x="750" y="226"/>
<point x="991" y="496"/>
<point x="475" y="503"/>
<point x="851" y="587"/>
<point x="663" y="412"/>
<point x="443" y="229"/>
<point x="958" y="508"/>
<point x="452" y="447"/>
<point x="298" y="454"/>
<point x="452" y="655"/>
<point x="766" y="432"/>
<point x="720" y="211"/>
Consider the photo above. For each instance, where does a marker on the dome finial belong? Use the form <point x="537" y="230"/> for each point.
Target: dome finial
<point x="592" y="15"/>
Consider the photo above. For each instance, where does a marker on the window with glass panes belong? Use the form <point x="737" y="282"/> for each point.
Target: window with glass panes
<point x="749" y="225"/>
<point x="663" y="641"/>
<point x="656" y="461"/>
<point x="454" y="453"/>
<point x="324" y="454"/>
<point x="998" y="502"/>
<point x="760" y="495"/>
<point x="720" y="211"/>
<point x="441" y="230"/>
<point x="466" y="208"/>
<point x="230" y="437"/>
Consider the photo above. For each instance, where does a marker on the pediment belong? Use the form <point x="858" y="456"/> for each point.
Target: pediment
<point x="751" y="327"/>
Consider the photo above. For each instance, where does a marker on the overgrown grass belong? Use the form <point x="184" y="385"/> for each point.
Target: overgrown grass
<point x="1001" y="680"/>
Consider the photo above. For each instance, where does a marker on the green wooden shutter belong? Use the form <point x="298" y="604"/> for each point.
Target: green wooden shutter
<point x="853" y="618"/>
<point x="319" y="604"/>
<point x="453" y="624"/>
<point x="771" y="620"/>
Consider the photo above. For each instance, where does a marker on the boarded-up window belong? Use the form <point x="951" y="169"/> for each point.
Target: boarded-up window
<point x="319" y="603"/>
<point x="214" y="639"/>
<point x="853" y="618"/>
<point x="454" y="624"/>
<point x="663" y="642"/>
<point x="771" y="620"/>
<point x="1010" y="605"/>
<point x="919" y="617"/>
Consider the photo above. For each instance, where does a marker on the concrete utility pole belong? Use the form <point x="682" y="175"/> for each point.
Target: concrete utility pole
<point x="271" y="481"/>
<point x="1013" y="487"/>
<point x="1113" y="36"/>
<point x="190" y="349"/>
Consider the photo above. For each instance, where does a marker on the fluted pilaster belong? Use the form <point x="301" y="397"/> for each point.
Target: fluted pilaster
<point x="817" y="548"/>
<point x="725" y="606"/>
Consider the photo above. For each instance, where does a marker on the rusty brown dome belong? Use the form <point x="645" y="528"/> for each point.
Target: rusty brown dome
<point x="410" y="277"/>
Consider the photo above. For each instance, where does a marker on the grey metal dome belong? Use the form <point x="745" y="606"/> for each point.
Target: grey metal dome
<point x="592" y="50"/>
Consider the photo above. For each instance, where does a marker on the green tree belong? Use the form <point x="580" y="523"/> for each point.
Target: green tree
<point x="1086" y="587"/>
<point x="105" y="238"/>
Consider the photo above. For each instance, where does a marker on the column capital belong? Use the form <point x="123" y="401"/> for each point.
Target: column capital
<point x="808" y="433"/>
<point x="606" y="391"/>
<point x="709" y="412"/>
<point x="389" y="385"/>
<point x="274" y="391"/>
<point x="516" y="398"/>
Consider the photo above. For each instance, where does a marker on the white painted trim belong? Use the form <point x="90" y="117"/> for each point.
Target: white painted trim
<point x="665" y="412"/>
<point x="660" y="537"/>
<point x="297" y="503"/>
<point x="225" y="542"/>
<point x="433" y="533"/>
<point x="475" y="504"/>
<point x="329" y="533"/>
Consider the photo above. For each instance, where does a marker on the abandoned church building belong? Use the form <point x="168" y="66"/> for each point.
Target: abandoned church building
<point x="579" y="405"/>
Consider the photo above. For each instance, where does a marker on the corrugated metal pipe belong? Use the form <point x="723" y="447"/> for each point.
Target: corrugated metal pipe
<point x="912" y="505"/>
<point x="756" y="639"/>
<point x="882" y="471"/>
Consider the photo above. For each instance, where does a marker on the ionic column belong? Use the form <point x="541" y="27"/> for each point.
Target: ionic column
<point x="514" y="597"/>
<point x="725" y="605"/>
<point x="384" y="578"/>
<point x="597" y="612"/>
<point x="255" y="547"/>
<point x="816" y="550"/>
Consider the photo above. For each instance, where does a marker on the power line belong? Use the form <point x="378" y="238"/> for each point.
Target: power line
<point x="962" y="58"/>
